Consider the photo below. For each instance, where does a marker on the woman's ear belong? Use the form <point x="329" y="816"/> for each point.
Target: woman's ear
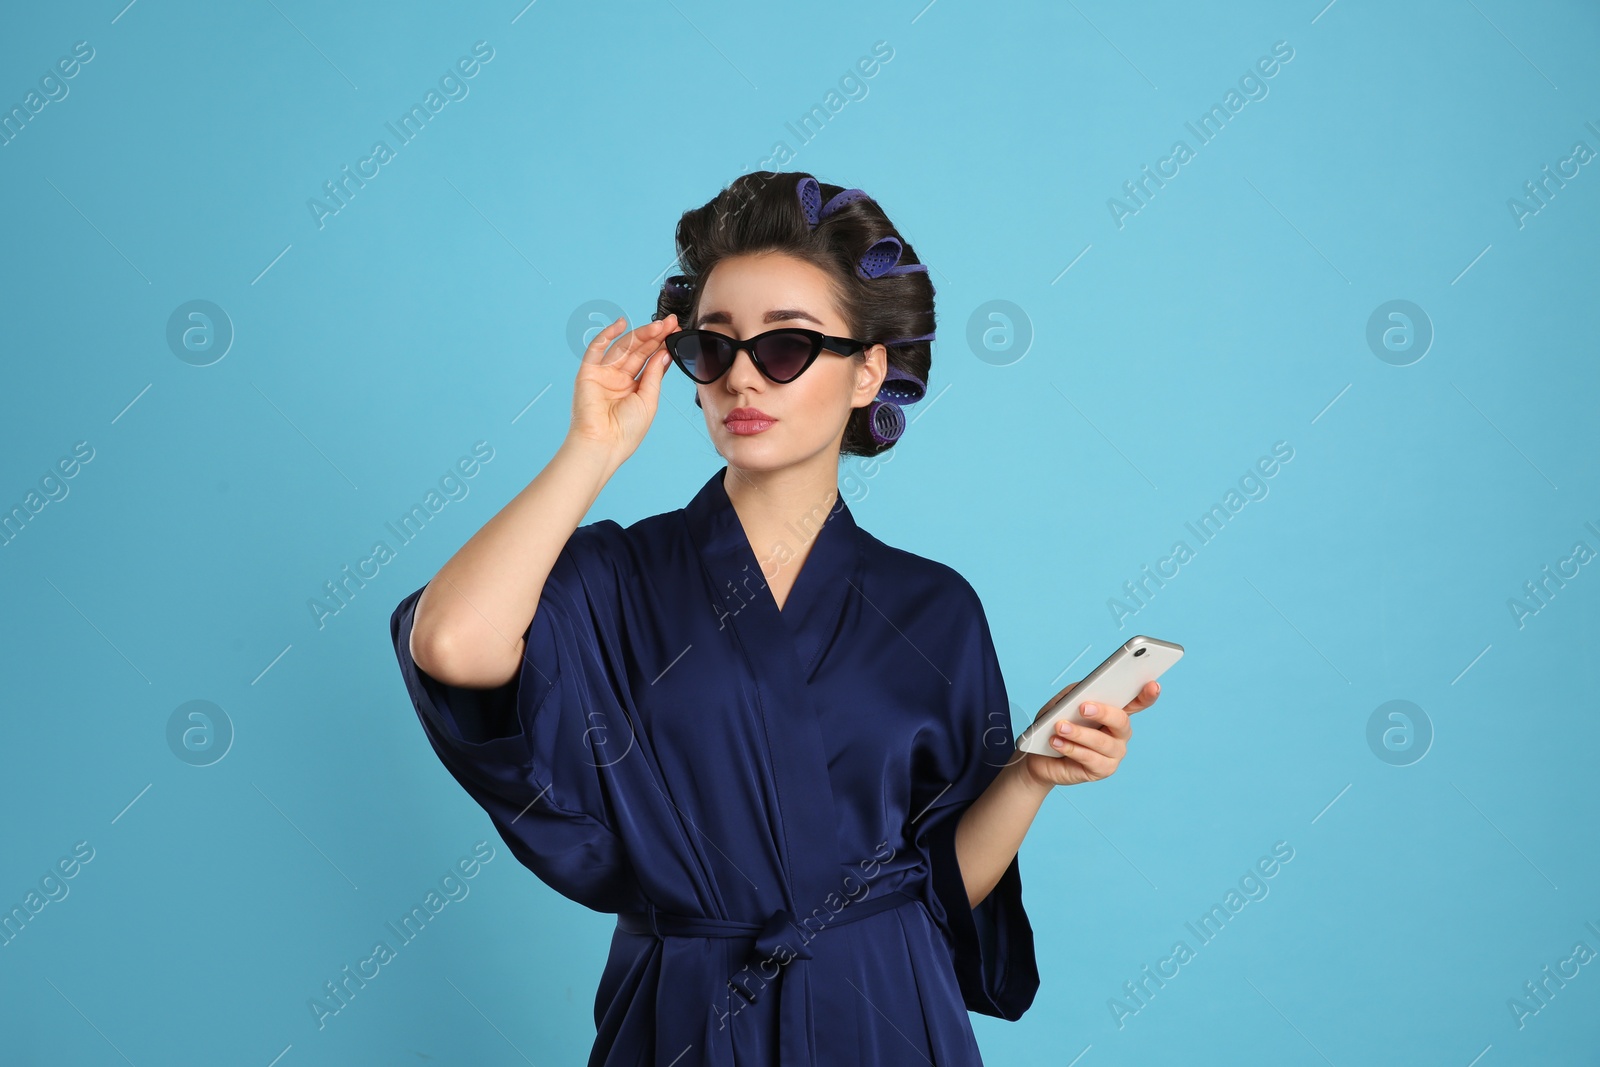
<point x="870" y="372"/>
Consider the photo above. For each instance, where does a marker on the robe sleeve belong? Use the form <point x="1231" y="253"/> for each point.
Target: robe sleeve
<point x="530" y="751"/>
<point x="992" y="944"/>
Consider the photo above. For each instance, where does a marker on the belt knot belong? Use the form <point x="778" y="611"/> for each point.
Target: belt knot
<point x="779" y="940"/>
<point x="779" y="932"/>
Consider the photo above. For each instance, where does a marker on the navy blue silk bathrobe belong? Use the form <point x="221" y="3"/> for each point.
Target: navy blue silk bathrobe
<point x="767" y="799"/>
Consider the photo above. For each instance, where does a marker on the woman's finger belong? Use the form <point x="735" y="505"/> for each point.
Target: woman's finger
<point x="595" y="350"/>
<point x="1115" y="720"/>
<point x="1093" y="738"/>
<point x="639" y="345"/>
<point x="1146" y="697"/>
<point x="617" y="346"/>
<point x="625" y="348"/>
<point x="1079" y="747"/>
<point x="650" y="381"/>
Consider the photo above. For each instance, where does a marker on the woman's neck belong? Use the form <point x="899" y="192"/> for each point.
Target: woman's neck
<point x="782" y="510"/>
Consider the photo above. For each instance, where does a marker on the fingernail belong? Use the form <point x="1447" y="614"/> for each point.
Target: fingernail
<point x="1058" y="742"/>
<point x="1064" y="726"/>
<point x="1090" y="709"/>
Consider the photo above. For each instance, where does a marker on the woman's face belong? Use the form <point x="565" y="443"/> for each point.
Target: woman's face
<point x="756" y="423"/>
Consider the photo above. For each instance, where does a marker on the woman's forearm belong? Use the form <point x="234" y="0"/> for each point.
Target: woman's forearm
<point x="992" y="828"/>
<point x="471" y="619"/>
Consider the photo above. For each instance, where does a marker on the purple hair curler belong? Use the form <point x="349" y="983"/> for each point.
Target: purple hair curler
<point x="880" y="260"/>
<point x="901" y="387"/>
<point x="886" y="422"/>
<point x="842" y="199"/>
<point x="810" y="199"/>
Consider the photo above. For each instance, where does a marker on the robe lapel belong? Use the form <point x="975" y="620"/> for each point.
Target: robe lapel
<point x="815" y="604"/>
<point x="783" y="650"/>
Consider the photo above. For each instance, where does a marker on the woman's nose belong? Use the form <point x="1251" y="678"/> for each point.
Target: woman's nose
<point x="744" y="369"/>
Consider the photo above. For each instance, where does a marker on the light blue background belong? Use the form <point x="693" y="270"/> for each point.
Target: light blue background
<point x="1228" y="314"/>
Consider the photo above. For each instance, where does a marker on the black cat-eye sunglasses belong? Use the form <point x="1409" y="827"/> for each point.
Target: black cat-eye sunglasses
<point x="780" y="355"/>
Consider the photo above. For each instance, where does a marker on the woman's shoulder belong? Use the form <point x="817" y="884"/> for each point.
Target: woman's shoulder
<point x="920" y="575"/>
<point x="640" y="546"/>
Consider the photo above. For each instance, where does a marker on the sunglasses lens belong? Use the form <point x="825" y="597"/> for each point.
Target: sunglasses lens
<point x="784" y="353"/>
<point x="703" y="354"/>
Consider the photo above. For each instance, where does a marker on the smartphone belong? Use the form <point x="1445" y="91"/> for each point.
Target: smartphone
<point x="1115" y="683"/>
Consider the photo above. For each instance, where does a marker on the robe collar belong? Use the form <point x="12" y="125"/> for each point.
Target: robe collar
<point x="739" y="578"/>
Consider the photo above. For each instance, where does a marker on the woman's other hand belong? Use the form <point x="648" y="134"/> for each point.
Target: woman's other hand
<point x="1089" y="753"/>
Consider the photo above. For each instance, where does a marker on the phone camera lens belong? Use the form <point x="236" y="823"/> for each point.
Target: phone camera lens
<point x="1138" y="652"/>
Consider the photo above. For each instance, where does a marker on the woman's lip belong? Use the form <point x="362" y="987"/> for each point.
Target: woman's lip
<point x="746" y="425"/>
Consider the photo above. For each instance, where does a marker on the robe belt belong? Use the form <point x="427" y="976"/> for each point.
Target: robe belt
<point x="770" y="936"/>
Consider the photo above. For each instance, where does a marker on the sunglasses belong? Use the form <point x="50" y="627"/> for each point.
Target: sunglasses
<point x="780" y="355"/>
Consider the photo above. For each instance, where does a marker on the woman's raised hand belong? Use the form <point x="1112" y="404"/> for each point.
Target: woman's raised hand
<point x="612" y="403"/>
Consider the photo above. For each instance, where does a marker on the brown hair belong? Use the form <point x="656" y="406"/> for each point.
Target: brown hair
<point x="762" y="212"/>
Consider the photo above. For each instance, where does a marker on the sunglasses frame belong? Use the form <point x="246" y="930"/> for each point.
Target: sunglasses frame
<point x="820" y="342"/>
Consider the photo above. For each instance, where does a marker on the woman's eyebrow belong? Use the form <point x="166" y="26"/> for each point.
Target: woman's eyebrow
<point x="775" y="315"/>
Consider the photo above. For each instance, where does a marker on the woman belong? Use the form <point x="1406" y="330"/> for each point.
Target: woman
<point x="777" y="747"/>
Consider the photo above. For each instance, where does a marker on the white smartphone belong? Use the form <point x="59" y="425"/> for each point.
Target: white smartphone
<point x="1115" y="682"/>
